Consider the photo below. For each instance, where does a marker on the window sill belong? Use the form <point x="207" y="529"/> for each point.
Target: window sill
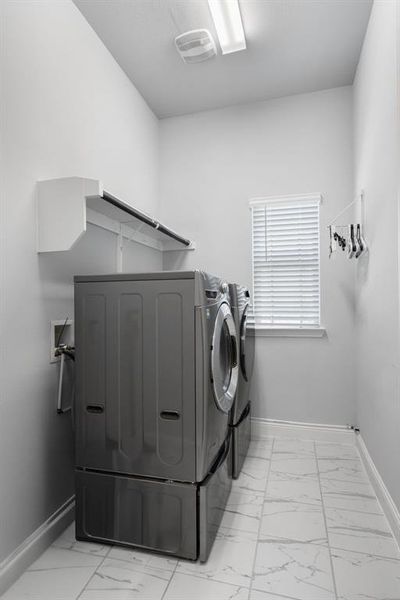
<point x="293" y="332"/>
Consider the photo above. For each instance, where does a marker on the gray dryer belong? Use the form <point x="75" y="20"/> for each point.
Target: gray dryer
<point x="157" y="370"/>
<point x="240" y="413"/>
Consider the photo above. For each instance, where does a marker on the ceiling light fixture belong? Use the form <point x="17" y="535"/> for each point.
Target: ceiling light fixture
<point x="228" y="23"/>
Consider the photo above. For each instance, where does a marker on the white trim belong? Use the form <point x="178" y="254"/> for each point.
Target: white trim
<point x="389" y="507"/>
<point x="18" y="561"/>
<point x="319" y="432"/>
<point x="285" y="332"/>
<point x="289" y="198"/>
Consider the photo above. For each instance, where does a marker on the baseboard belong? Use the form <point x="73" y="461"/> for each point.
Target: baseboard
<point x="31" y="548"/>
<point x="340" y="434"/>
<point x="386" y="501"/>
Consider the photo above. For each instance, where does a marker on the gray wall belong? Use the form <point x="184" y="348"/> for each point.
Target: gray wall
<point x="377" y="138"/>
<point x="67" y="109"/>
<point x="212" y="163"/>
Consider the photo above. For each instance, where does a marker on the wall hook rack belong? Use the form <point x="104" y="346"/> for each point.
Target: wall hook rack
<point x="349" y="238"/>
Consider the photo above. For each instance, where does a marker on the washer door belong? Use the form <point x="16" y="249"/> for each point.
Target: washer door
<point x="224" y="359"/>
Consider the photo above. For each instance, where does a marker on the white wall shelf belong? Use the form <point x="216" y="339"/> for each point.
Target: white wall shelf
<point x="66" y="205"/>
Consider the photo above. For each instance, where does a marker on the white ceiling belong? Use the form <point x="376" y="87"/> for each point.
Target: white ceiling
<point x="293" y="46"/>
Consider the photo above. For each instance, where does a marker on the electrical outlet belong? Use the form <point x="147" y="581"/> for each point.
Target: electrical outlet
<point x="67" y="336"/>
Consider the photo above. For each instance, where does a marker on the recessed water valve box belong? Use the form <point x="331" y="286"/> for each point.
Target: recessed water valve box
<point x="61" y="332"/>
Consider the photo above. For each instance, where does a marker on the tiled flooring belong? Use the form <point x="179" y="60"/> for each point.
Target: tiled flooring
<point x="302" y="523"/>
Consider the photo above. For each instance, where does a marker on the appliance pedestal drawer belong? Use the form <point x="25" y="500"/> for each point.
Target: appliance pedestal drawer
<point x="149" y="514"/>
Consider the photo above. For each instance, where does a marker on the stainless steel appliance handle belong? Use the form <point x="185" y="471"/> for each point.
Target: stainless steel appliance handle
<point x="234" y="352"/>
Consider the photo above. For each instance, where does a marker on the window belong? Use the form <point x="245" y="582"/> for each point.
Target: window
<point x="286" y="277"/>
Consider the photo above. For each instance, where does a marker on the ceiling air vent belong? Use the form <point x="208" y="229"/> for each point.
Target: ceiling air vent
<point x="196" y="46"/>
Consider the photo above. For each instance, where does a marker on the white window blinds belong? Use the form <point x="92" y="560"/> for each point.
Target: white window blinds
<point x="286" y="275"/>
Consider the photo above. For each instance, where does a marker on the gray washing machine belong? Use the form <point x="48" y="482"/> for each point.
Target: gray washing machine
<point x="156" y="375"/>
<point x="240" y="422"/>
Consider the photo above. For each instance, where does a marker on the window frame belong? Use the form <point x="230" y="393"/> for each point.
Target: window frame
<point x="298" y="331"/>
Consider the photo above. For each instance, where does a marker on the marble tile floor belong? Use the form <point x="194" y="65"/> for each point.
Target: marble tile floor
<point x="302" y="523"/>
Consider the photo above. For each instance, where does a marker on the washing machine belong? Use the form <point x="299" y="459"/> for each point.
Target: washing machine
<point x="156" y="374"/>
<point x="240" y="416"/>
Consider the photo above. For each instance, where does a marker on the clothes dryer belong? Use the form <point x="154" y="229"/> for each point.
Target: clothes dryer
<point x="157" y="371"/>
<point x="240" y="415"/>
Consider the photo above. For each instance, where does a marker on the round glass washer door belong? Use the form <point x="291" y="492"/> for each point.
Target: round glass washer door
<point x="224" y="359"/>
